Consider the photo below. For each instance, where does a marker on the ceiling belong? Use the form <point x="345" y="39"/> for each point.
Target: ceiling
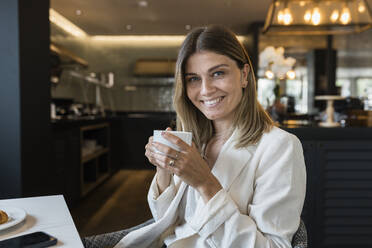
<point x="137" y="17"/>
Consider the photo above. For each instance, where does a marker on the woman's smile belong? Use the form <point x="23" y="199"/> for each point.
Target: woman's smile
<point x="213" y="102"/>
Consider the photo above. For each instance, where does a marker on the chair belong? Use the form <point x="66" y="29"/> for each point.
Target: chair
<point x="300" y="237"/>
<point x="109" y="240"/>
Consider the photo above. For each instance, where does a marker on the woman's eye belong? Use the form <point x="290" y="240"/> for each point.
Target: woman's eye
<point x="218" y="73"/>
<point x="192" y="79"/>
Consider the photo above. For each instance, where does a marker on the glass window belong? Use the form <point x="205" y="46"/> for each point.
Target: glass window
<point x="265" y="91"/>
<point x="345" y="85"/>
<point x="296" y="89"/>
<point x="364" y="87"/>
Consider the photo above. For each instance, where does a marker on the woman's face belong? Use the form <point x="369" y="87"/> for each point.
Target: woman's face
<point x="214" y="84"/>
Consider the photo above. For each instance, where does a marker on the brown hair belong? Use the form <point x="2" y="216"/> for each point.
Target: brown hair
<point x="250" y="118"/>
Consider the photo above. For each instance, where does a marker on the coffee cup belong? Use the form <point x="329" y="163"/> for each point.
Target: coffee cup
<point x="185" y="136"/>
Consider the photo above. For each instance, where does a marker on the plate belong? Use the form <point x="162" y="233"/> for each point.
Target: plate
<point x="16" y="215"/>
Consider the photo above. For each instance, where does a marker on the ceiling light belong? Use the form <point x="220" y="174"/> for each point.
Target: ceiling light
<point x="315" y="17"/>
<point x="334" y="16"/>
<point x="269" y="74"/>
<point x="291" y="74"/>
<point x="287" y="17"/>
<point x="78" y="12"/>
<point x="128" y="27"/>
<point x="280" y="16"/>
<point x="307" y="16"/>
<point x="65" y="24"/>
<point x="345" y="17"/>
<point x="361" y="7"/>
<point x="147" y="40"/>
<point x="142" y="40"/>
<point x="188" y="27"/>
<point x="143" y="4"/>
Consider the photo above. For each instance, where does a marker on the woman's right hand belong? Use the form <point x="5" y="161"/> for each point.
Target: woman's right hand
<point x="163" y="175"/>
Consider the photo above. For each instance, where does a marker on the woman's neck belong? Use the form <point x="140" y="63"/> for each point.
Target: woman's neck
<point x="222" y="130"/>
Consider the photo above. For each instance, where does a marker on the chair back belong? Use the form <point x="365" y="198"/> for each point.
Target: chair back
<point x="300" y="237"/>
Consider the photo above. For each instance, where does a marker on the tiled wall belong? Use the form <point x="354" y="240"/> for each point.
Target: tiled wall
<point x="148" y="94"/>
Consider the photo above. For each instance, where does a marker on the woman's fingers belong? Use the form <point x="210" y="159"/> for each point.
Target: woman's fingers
<point x="175" y="140"/>
<point x="159" y="159"/>
<point x="166" y="150"/>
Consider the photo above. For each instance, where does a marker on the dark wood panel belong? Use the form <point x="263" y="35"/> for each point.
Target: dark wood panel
<point x="345" y="168"/>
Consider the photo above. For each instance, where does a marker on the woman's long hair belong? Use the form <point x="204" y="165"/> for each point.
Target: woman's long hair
<point x="250" y="118"/>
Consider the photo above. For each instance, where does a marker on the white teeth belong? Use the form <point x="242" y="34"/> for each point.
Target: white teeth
<point x="212" y="102"/>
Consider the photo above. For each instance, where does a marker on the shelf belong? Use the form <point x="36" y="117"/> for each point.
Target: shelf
<point x="93" y="127"/>
<point x="94" y="167"/>
<point x="94" y="155"/>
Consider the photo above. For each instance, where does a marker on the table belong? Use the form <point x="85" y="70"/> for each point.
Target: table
<point x="330" y="110"/>
<point x="49" y="214"/>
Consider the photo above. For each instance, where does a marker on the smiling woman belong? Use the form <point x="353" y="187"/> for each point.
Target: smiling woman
<point x="242" y="181"/>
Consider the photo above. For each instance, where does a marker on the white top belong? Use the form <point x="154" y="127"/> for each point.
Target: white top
<point x="259" y="206"/>
<point x="48" y="214"/>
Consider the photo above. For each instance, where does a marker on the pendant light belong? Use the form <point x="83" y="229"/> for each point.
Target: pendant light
<point x="317" y="17"/>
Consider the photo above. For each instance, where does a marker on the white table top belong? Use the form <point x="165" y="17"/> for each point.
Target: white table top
<point x="49" y="214"/>
<point x="329" y="97"/>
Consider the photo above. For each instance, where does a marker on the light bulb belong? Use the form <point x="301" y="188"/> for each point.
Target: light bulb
<point x="334" y="16"/>
<point x="287" y="18"/>
<point x="315" y="17"/>
<point x="280" y="16"/>
<point x="302" y="3"/>
<point x="291" y="74"/>
<point x="307" y="16"/>
<point x="269" y="74"/>
<point x="361" y="8"/>
<point x="345" y="17"/>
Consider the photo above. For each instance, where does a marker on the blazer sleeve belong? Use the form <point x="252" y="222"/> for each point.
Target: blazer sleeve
<point x="274" y="212"/>
<point x="159" y="203"/>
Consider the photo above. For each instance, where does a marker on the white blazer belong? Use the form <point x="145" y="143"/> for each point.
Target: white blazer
<point x="259" y="206"/>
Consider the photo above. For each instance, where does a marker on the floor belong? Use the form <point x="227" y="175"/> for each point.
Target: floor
<point x="117" y="204"/>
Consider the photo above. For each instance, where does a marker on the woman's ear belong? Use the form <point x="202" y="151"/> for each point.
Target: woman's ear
<point x="245" y="73"/>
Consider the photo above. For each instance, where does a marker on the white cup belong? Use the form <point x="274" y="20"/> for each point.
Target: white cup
<point x="185" y="136"/>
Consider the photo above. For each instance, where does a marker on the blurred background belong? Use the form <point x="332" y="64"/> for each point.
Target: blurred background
<point x="84" y="84"/>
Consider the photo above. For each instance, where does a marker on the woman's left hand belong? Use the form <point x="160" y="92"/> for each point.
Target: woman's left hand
<point x="189" y="166"/>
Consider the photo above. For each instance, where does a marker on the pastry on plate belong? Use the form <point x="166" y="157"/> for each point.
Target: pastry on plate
<point x="3" y="217"/>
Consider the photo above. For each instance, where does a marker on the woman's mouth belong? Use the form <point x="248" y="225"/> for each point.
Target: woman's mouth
<point x="213" y="102"/>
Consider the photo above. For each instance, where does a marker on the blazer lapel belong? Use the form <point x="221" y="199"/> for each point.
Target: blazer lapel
<point x="231" y="161"/>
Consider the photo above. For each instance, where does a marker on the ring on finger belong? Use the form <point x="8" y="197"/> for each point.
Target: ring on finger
<point x="171" y="163"/>
<point x="177" y="155"/>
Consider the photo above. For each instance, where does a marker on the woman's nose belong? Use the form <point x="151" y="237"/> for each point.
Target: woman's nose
<point x="207" y="87"/>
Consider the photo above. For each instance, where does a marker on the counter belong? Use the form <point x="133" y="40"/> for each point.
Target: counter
<point x="339" y="133"/>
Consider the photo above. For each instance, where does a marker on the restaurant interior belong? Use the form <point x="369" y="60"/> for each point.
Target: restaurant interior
<point x="85" y="83"/>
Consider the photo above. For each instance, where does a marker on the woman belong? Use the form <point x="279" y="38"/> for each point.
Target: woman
<point x="242" y="182"/>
